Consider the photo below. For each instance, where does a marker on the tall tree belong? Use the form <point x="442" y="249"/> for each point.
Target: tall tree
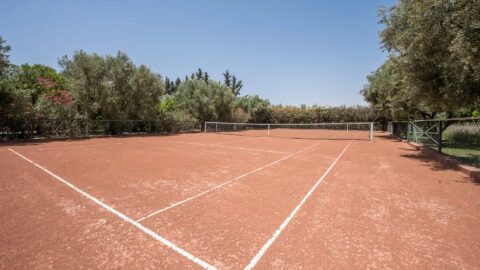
<point x="147" y="88"/>
<point x="227" y="79"/>
<point x="178" y="81"/>
<point x="258" y="109"/>
<point x="236" y="86"/>
<point x="4" y="62"/>
<point x="232" y="83"/>
<point x="86" y="75"/>
<point x="205" y="102"/>
<point x="435" y="44"/>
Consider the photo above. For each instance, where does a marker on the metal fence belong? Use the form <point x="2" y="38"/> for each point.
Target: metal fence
<point x="66" y="128"/>
<point x="457" y="137"/>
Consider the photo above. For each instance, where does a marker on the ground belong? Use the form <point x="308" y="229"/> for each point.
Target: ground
<point x="232" y="202"/>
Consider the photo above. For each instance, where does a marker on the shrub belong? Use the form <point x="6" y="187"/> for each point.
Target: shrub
<point x="466" y="134"/>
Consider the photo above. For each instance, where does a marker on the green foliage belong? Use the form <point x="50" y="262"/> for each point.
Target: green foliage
<point x="171" y="86"/>
<point x="4" y="62"/>
<point x="21" y="92"/>
<point x="232" y="83"/>
<point x="316" y="114"/>
<point x="147" y="88"/>
<point x="434" y="63"/>
<point x="205" y="102"/>
<point x="462" y="141"/>
<point x="86" y="75"/>
<point x="240" y="115"/>
<point x="258" y="109"/>
<point x="16" y="109"/>
<point x="466" y="134"/>
<point x="38" y="79"/>
<point x="112" y="87"/>
<point x="170" y="113"/>
<point x="166" y="105"/>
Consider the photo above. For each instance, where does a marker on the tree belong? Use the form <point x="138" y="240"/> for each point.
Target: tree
<point x="38" y="79"/>
<point x="434" y="45"/>
<point x="232" y="83"/>
<point x="168" y="86"/>
<point x="86" y="76"/>
<point x="4" y="62"/>
<point x="201" y="75"/>
<point x="205" y="102"/>
<point x="147" y="88"/>
<point x="112" y="87"/>
<point x="258" y="109"/>
<point x="388" y="94"/>
<point x="178" y="81"/>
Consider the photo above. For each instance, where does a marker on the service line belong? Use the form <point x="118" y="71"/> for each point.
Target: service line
<point x="270" y="241"/>
<point x="224" y="184"/>
<point x="122" y="216"/>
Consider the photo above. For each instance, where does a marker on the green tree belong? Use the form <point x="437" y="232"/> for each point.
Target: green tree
<point x="435" y="45"/>
<point x="232" y="83"/>
<point x="205" y="102"/>
<point x="86" y="76"/>
<point x="4" y="62"/>
<point x="147" y="88"/>
<point x="38" y="79"/>
<point x="258" y="109"/>
<point x="116" y="102"/>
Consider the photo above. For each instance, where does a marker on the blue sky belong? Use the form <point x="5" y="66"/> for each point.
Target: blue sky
<point x="291" y="52"/>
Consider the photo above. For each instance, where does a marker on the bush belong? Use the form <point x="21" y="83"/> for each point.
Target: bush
<point x="466" y="134"/>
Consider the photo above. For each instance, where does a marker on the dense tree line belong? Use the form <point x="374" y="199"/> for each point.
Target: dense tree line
<point x="318" y="114"/>
<point x="90" y="87"/>
<point x="433" y="68"/>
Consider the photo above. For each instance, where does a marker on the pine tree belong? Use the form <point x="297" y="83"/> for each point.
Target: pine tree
<point x="199" y="74"/>
<point x="232" y="83"/>
<point x="167" y="86"/>
<point x="178" y="81"/>
<point x="227" y="78"/>
<point x="206" y="78"/>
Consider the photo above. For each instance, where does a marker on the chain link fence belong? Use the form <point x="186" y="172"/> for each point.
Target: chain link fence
<point x="71" y="128"/>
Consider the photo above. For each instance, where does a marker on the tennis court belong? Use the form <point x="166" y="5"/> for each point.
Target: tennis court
<point x="302" y="198"/>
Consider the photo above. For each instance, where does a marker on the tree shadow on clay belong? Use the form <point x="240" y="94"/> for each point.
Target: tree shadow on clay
<point x="436" y="165"/>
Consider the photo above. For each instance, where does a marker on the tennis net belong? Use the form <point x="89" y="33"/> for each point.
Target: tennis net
<point x="321" y="131"/>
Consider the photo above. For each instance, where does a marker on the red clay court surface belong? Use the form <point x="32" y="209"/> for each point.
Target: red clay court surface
<point x="195" y="201"/>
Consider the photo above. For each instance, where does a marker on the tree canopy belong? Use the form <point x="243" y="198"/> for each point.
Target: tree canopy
<point x="434" y="60"/>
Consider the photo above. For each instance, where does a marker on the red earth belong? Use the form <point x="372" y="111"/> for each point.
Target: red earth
<point x="232" y="202"/>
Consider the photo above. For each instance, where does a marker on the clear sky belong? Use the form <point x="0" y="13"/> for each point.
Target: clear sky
<point x="291" y="52"/>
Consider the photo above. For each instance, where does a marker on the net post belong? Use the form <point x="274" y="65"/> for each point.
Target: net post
<point x="268" y="127"/>
<point x="216" y="127"/>
<point x="347" y="127"/>
<point x="205" y="127"/>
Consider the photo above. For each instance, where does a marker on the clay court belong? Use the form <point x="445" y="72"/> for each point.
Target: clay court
<point x="206" y="200"/>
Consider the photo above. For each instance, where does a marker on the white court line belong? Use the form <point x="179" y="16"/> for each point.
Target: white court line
<point x="125" y="218"/>
<point x="223" y="184"/>
<point x="270" y="241"/>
